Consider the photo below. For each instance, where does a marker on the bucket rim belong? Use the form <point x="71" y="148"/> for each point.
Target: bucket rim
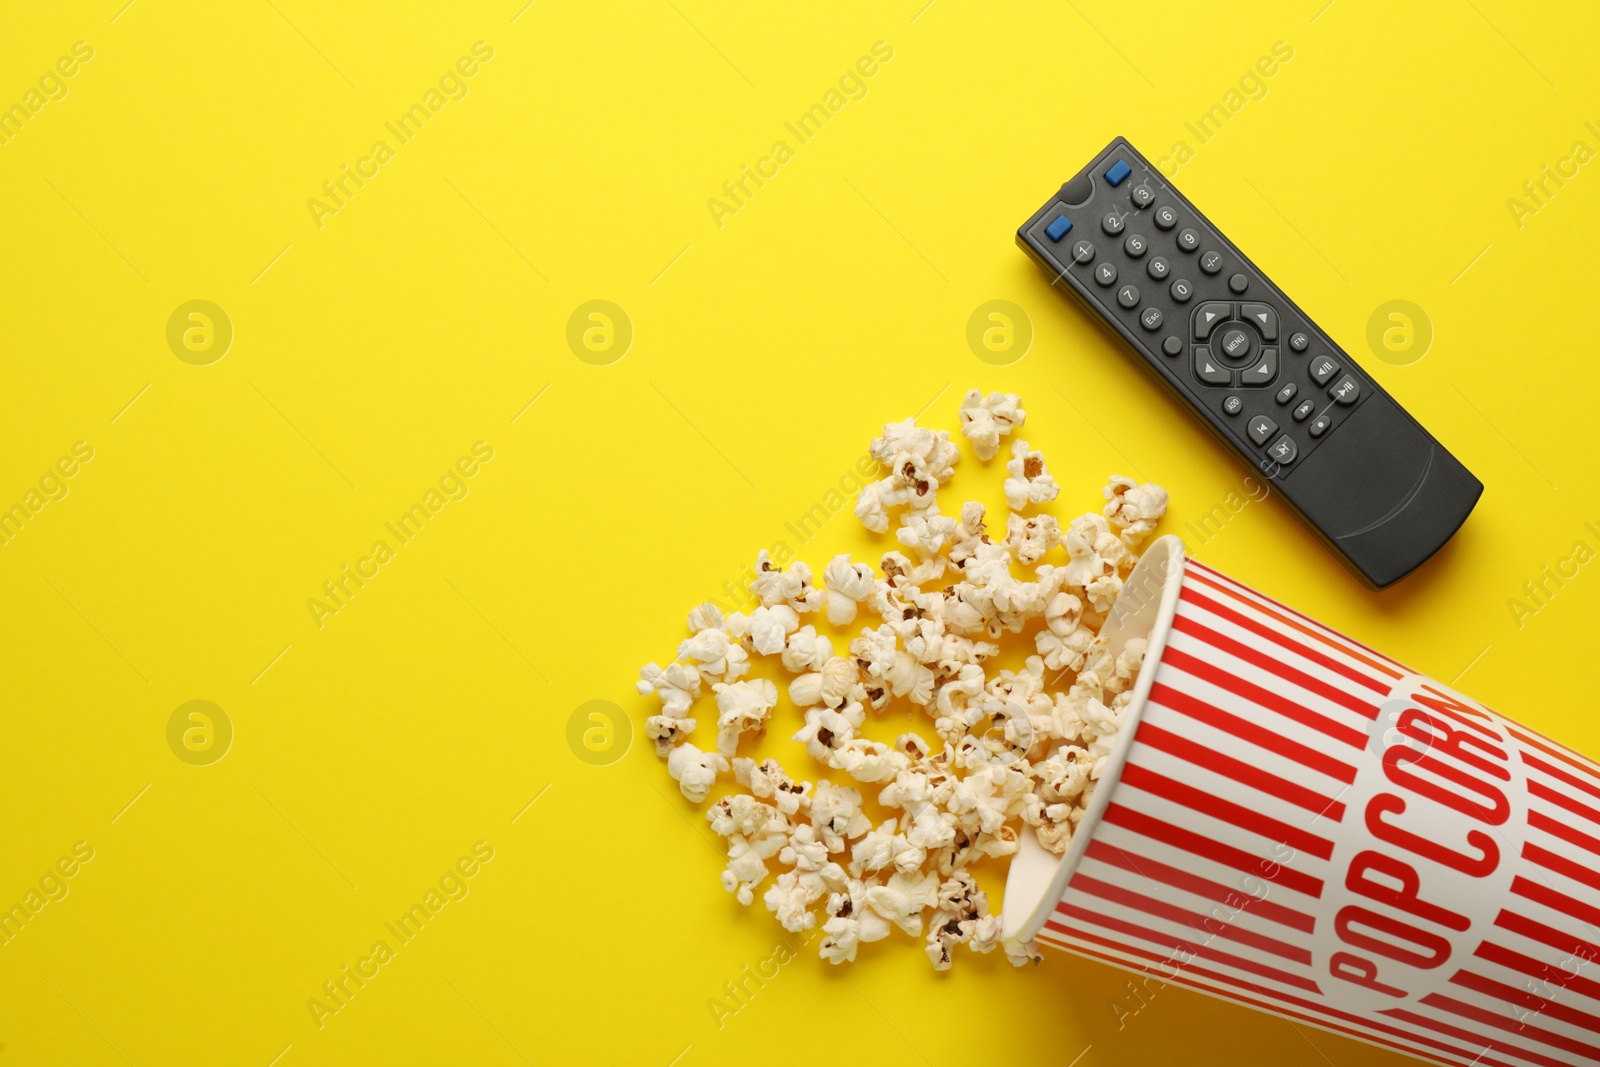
<point x="1037" y="879"/>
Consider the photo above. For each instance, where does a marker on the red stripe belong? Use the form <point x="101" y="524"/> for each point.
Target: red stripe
<point x="1564" y="800"/>
<point x="1275" y="1000"/>
<point x="1279" y="638"/>
<point x="1258" y="735"/>
<point x="1556" y="828"/>
<point x="1259" y="659"/>
<point x="1502" y="1021"/>
<point x="1568" y="906"/>
<point x="1560" y="775"/>
<point x="1240" y="771"/>
<point x="1156" y="871"/>
<point x="1205" y="924"/>
<point x="1552" y="748"/>
<point x="1442" y="705"/>
<point x="1265" y="698"/>
<point x="1312" y="628"/>
<point x="1552" y="861"/>
<point x="1321" y="1019"/>
<point x="1537" y="969"/>
<point x="1224" y="810"/>
<point x="1471" y="1038"/>
<point x="1535" y="1004"/>
<point x="1204" y="951"/>
<point x="1534" y="930"/>
<point x="1237" y="858"/>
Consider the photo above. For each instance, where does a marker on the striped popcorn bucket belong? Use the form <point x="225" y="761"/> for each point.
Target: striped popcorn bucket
<point x="1293" y="821"/>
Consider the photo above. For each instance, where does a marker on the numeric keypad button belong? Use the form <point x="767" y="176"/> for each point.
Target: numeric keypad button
<point x="1182" y="290"/>
<point x="1083" y="252"/>
<point x="1112" y="224"/>
<point x="1166" y="218"/>
<point x="1105" y="274"/>
<point x="1135" y="245"/>
<point x="1128" y="296"/>
<point x="1158" y="268"/>
<point x="1188" y="240"/>
<point x="1211" y="262"/>
<point x="1142" y="196"/>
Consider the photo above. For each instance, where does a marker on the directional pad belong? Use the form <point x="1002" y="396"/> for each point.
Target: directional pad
<point x="1263" y="370"/>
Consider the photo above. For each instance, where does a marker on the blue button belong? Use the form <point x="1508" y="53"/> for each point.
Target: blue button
<point x="1058" y="229"/>
<point x="1118" y="172"/>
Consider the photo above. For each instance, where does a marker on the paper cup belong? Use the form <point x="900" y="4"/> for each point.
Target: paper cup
<point x="1293" y="821"/>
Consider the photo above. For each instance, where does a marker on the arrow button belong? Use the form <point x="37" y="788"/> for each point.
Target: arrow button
<point x="1208" y="315"/>
<point x="1208" y="370"/>
<point x="1263" y="318"/>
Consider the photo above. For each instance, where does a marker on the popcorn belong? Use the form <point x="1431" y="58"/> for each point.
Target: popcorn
<point x="774" y="585"/>
<point x="1030" y="482"/>
<point x="695" y="771"/>
<point x="1017" y="748"/>
<point x="1134" y="509"/>
<point x="742" y="707"/>
<point x="847" y="584"/>
<point x="985" y="420"/>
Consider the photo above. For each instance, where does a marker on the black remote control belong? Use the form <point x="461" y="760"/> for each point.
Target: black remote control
<point x="1370" y="482"/>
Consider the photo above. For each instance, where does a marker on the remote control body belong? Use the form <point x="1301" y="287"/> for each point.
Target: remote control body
<point x="1371" y="483"/>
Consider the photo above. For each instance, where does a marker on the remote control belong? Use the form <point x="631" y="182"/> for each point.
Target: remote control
<point x="1371" y="483"/>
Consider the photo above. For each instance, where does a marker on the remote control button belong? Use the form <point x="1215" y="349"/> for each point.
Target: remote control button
<point x="1150" y="319"/>
<point x="1058" y="229"/>
<point x="1135" y="245"/>
<point x="1158" y="268"/>
<point x="1128" y="296"/>
<point x="1287" y="393"/>
<point x="1345" y="391"/>
<point x="1112" y="224"/>
<point x="1303" y="412"/>
<point x="1263" y="318"/>
<point x="1261" y="428"/>
<point x="1211" y="262"/>
<point x="1171" y="346"/>
<point x="1207" y="316"/>
<point x="1232" y="406"/>
<point x="1118" y="173"/>
<point x="1188" y="240"/>
<point x="1265" y="369"/>
<point x="1182" y="290"/>
<point x="1142" y="196"/>
<point x="1283" y="449"/>
<point x="1106" y="274"/>
<point x="1319" y="425"/>
<point x="1299" y="342"/>
<point x="1083" y="252"/>
<point x="1206" y="369"/>
<point x="1235" y="343"/>
<point x="1323" y="369"/>
<point x="1238" y="283"/>
<point x="1166" y="218"/>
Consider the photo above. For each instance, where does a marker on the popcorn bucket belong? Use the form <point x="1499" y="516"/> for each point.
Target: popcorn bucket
<point x="1293" y="821"/>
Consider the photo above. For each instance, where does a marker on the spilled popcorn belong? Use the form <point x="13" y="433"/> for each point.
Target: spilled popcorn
<point x="1008" y="749"/>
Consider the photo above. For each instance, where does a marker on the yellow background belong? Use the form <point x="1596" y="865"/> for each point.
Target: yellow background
<point x="370" y="353"/>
